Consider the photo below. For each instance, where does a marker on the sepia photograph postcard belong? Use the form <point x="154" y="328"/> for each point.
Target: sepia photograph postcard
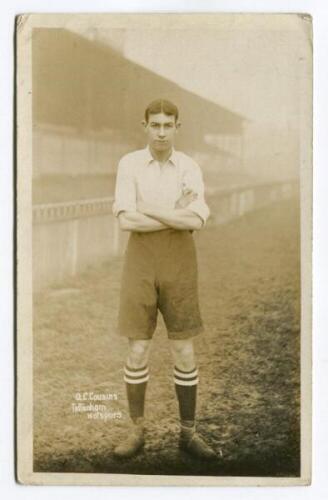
<point x="164" y="249"/>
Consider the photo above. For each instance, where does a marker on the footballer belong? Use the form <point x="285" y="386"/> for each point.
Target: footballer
<point x="159" y="199"/>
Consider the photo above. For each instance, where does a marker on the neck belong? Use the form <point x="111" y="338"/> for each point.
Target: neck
<point x="161" y="156"/>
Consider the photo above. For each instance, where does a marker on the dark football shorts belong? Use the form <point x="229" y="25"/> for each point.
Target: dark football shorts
<point x="160" y="273"/>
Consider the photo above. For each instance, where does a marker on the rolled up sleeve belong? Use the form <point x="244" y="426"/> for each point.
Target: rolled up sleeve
<point x="193" y="179"/>
<point x="125" y="190"/>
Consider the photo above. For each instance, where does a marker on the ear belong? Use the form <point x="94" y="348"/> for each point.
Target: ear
<point x="144" y="123"/>
<point x="178" y="125"/>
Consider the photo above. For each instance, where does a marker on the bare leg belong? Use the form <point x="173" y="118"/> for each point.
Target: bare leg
<point x="183" y="354"/>
<point x="138" y="353"/>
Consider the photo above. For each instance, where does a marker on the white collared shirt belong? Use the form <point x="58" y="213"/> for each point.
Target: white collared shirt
<point x="140" y="176"/>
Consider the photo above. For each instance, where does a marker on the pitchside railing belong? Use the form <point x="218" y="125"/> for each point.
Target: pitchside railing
<point x="70" y="236"/>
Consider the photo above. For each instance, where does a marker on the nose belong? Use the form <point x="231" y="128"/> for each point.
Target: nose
<point x="161" y="132"/>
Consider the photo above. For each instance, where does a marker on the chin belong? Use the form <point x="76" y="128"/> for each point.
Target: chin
<point x="162" y="147"/>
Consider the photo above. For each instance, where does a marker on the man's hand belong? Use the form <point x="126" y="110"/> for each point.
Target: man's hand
<point x="180" y="217"/>
<point x="188" y="195"/>
<point x="176" y="218"/>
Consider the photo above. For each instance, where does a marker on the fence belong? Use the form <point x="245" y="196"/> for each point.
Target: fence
<point x="228" y="204"/>
<point x="68" y="237"/>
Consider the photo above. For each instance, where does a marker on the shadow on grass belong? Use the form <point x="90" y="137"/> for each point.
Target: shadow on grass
<point x="282" y="461"/>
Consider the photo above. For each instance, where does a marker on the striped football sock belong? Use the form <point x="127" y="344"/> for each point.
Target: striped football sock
<point x="186" y="391"/>
<point x="136" y="382"/>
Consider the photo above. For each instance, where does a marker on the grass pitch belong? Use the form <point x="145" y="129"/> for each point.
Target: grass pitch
<point x="248" y="358"/>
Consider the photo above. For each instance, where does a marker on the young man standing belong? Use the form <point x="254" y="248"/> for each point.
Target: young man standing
<point x="159" y="198"/>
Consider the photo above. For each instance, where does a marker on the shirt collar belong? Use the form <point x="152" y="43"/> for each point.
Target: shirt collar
<point x="173" y="158"/>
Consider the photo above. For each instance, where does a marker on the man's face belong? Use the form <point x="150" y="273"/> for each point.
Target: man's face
<point x="161" y="130"/>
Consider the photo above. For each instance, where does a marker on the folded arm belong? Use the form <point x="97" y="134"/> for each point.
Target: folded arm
<point x="136" y="221"/>
<point x="177" y="218"/>
<point x="188" y="213"/>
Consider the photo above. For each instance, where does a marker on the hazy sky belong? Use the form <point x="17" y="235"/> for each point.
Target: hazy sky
<point x="253" y="73"/>
<point x="249" y="64"/>
<point x="258" y="66"/>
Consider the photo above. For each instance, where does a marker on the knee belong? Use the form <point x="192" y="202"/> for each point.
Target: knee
<point x="183" y="352"/>
<point x="138" y="354"/>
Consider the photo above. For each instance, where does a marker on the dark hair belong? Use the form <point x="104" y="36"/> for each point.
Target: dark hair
<point x="162" y="106"/>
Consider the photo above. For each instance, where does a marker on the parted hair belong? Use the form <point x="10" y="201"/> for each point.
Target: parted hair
<point x="162" y="106"/>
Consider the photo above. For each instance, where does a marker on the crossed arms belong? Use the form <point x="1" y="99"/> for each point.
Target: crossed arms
<point x="149" y="217"/>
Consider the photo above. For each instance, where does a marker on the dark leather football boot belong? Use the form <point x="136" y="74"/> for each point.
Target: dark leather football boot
<point x="133" y="443"/>
<point x="193" y="444"/>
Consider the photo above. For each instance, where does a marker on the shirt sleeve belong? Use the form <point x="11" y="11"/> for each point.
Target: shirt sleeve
<point x="125" y="189"/>
<point x="193" y="179"/>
